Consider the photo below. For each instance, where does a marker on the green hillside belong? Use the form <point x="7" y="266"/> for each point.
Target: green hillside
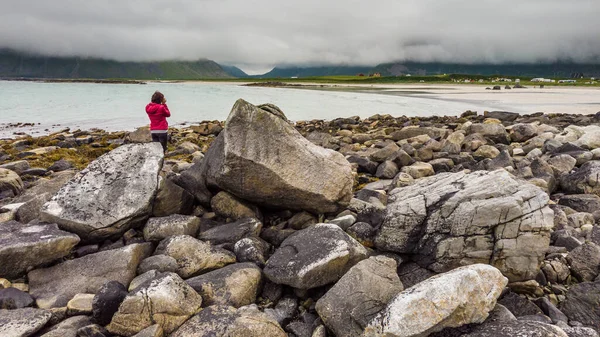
<point x="315" y="71"/>
<point x="17" y="65"/>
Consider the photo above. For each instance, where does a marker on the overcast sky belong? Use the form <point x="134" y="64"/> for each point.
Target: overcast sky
<point x="257" y="35"/>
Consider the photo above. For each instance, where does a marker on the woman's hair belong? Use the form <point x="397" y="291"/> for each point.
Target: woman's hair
<point x="157" y="97"/>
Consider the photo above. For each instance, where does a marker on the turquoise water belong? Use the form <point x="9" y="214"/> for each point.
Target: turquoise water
<point x="121" y="106"/>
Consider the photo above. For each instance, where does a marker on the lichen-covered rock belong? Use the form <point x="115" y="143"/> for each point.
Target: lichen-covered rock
<point x="22" y="322"/>
<point x="23" y="247"/>
<point x="359" y="295"/>
<point x="53" y="287"/>
<point x="115" y="192"/>
<point x="166" y="300"/>
<point x="456" y="219"/>
<point x="314" y="257"/>
<point x="260" y="157"/>
<point x="462" y="296"/>
<point x="193" y="256"/>
<point x="224" y="321"/>
<point x="160" y="228"/>
<point x="235" y="285"/>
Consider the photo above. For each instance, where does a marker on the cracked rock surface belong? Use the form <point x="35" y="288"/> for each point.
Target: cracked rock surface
<point x="456" y="219"/>
<point x="115" y="192"/>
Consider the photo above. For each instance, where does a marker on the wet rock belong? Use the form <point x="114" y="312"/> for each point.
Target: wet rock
<point x="234" y="285"/>
<point x="160" y="228"/>
<point x="462" y="296"/>
<point x="281" y="168"/>
<point x="107" y="300"/>
<point x="227" y="321"/>
<point x="22" y="322"/>
<point x="23" y="247"/>
<point x="313" y="257"/>
<point x="53" y="287"/>
<point x="362" y="292"/>
<point x="435" y="220"/>
<point x="193" y="256"/>
<point x="166" y="300"/>
<point x="98" y="202"/>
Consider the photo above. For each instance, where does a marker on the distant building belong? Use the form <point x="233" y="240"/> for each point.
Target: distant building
<point x="377" y="75"/>
<point x="567" y="81"/>
<point x="541" y="79"/>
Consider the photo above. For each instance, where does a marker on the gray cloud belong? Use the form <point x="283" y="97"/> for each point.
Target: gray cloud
<point x="260" y="34"/>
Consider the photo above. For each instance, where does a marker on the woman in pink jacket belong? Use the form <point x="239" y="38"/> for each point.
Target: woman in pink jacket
<point x="158" y="111"/>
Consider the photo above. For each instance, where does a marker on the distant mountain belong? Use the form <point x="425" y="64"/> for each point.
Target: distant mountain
<point x="566" y="70"/>
<point x="315" y="71"/>
<point x="14" y="64"/>
<point x="234" y="71"/>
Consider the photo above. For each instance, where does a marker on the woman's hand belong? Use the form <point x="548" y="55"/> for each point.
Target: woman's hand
<point x="164" y="101"/>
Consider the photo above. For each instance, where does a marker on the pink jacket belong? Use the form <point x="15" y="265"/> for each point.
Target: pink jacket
<point x="158" y="114"/>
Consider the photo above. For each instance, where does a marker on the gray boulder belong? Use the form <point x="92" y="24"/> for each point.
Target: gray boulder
<point x="314" y="257"/>
<point x="22" y="322"/>
<point x="53" y="287"/>
<point x="495" y="132"/>
<point x="228" y="206"/>
<point x="13" y="298"/>
<point x="10" y="183"/>
<point x="23" y="247"/>
<point x="232" y="232"/>
<point x="68" y="327"/>
<point x="359" y="295"/>
<point x="462" y="296"/>
<point x="276" y="165"/>
<point x="37" y="195"/>
<point x="106" y="302"/>
<point x="166" y="300"/>
<point x="218" y="320"/>
<point x="585" y="180"/>
<point x="585" y="261"/>
<point x="516" y="328"/>
<point x="582" y="304"/>
<point x="235" y="285"/>
<point x="160" y="228"/>
<point x="589" y="203"/>
<point x="505" y="116"/>
<point x="171" y="199"/>
<point x="193" y="256"/>
<point x="114" y="193"/>
<point x="456" y="219"/>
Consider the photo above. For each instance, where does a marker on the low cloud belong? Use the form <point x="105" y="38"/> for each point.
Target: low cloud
<point x="264" y="33"/>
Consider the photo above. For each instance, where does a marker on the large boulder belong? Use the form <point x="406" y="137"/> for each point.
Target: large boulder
<point x="359" y="295"/>
<point x="114" y="193"/>
<point x="171" y="199"/>
<point x="462" y="296"/>
<point x="582" y="304"/>
<point x="260" y="157"/>
<point x="221" y="321"/>
<point x="456" y="219"/>
<point x="235" y="285"/>
<point x="585" y="261"/>
<point x="314" y="257"/>
<point x="22" y="322"/>
<point x="23" y="247"/>
<point x="10" y="183"/>
<point x="585" y="180"/>
<point x="53" y="287"/>
<point x="166" y="300"/>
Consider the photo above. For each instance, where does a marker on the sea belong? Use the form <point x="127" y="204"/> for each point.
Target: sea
<point x="42" y="108"/>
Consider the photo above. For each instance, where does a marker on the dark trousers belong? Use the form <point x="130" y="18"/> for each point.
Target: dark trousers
<point x="162" y="138"/>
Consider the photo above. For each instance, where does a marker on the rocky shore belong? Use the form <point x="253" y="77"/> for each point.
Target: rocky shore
<point x="478" y="225"/>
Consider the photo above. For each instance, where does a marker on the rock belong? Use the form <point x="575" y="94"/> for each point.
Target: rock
<point x="193" y="256"/>
<point x="516" y="328"/>
<point x="12" y="298"/>
<point x="251" y="250"/>
<point x="281" y="168"/>
<point x="61" y="165"/>
<point x="227" y="321"/>
<point x="495" y="132"/>
<point x="37" y="151"/>
<point x="36" y="196"/>
<point x="453" y="143"/>
<point x="68" y="327"/>
<point x="462" y="296"/>
<point x="187" y="148"/>
<point x="302" y="220"/>
<point x="166" y="300"/>
<point x="234" y="285"/>
<point x="92" y="330"/>
<point x="160" y="263"/>
<point x="504" y="116"/>
<point x="160" y="228"/>
<point x="411" y="273"/>
<point x="228" y="206"/>
<point x="589" y="203"/>
<point x="522" y="132"/>
<point x="386" y="153"/>
<point x="114" y="193"/>
<point x="151" y="331"/>
<point x="313" y="257"/>
<point x="579" y="331"/>
<point x="24" y="247"/>
<point x="171" y="199"/>
<point x="22" y="322"/>
<point x="10" y="184"/>
<point x="519" y="305"/>
<point x="387" y="170"/>
<point x="414" y="131"/>
<point x="556" y="271"/>
<point x="232" y="232"/>
<point x="54" y="286"/>
<point x="455" y="219"/>
<point x="140" y="135"/>
<point x="486" y="151"/>
<point x="582" y="304"/>
<point x="562" y="164"/>
<point x="107" y="300"/>
<point x="344" y="222"/>
<point x="80" y="304"/>
<point x="584" y="180"/>
<point x="141" y="278"/>
<point x="363" y="233"/>
<point x="364" y="165"/>
<point x="551" y="310"/>
<point x="18" y="166"/>
<point x="585" y="261"/>
<point x="362" y="292"/>
<point x="419" y="170"/>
